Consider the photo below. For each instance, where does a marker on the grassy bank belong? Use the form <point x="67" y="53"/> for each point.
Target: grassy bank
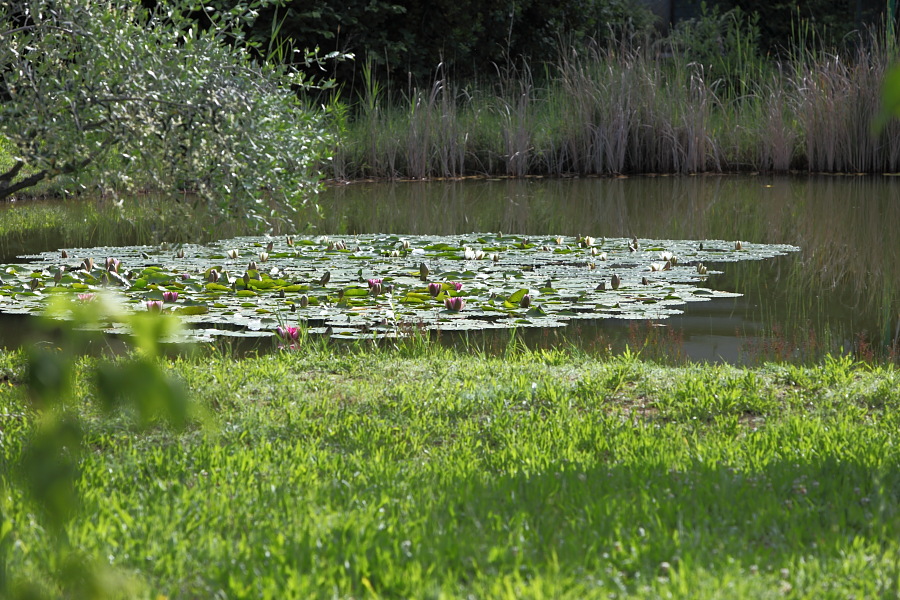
<point x="424" y="472"/>
<point x="634" y="107"/>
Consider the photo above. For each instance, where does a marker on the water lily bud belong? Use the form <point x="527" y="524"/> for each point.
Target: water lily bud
<point x="170" y="296"/>
<point x="435" y="288"/>
<point x="64" y="254"/>
<point x="559" y="240"/>
<point x="375" y="289"/>
<point x="325" y="278"/>
<point x="601" y="286"/>
<point x="405" y="244"/>
<point x="701" y="269"/>
<point x="645" y="281"/>
<point x="455" y="304"/>
<point x="616" y="281"/>
<point x="738" y="245"/>
<point x="246" y="279"/>
<point x="525" y="302"/>
<point x="88" y="264"/>
<point x="290" y="241"/>
<point x="269" y="246"/>
<point x="423" y="271"/>
<point x="304" y="301"/>
<point x="252" y="266"/>
<point x="180" y="253"/>
<point x="495" y="257"/>
<point x="233" y="254"/>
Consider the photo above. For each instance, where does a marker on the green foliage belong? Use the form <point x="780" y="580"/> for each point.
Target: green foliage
<point x="724" y="45"/>
<point x="127" y="98"/>
<point x="410" y="40"/>
<point x="49" y="467"/>
<point x="834" y="21"/>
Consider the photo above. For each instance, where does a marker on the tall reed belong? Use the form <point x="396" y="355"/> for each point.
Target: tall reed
<point x="629" y="107"/>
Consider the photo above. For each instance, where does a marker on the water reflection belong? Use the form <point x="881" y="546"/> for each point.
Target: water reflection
<point x="841" y="292"/>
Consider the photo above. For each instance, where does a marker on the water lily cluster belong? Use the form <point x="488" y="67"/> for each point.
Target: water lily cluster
<point x="380" y="285"/>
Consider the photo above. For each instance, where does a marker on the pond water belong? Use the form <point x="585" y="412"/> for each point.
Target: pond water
<point x="841" y="291"/>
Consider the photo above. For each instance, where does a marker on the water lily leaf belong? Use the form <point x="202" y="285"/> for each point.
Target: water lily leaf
<point x="516" y="297"/>
<point x="192" y="310"/>
<point x="354" y="292"/>
<point x="536" y="311"/>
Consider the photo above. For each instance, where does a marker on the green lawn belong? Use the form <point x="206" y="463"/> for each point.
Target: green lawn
<point x="431" y="473"/>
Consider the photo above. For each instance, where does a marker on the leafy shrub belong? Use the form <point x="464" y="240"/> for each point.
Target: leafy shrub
<point x="131" y="98"/>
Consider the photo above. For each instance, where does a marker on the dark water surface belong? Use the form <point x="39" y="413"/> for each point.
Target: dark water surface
<point x="841" y="292"/>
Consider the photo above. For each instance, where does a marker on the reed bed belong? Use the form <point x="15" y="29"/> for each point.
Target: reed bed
<point x="630" y="108"/>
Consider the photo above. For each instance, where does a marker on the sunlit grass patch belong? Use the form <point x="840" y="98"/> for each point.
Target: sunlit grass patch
<point x="341" y="472"/>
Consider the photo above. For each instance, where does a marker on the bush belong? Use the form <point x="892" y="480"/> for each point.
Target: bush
<point x="127" y="97"/>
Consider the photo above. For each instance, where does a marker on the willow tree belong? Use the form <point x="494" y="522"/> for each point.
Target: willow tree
<point x="116" y="95"/>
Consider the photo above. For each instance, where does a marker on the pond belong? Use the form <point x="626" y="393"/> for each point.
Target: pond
<point x="839" y="292"/>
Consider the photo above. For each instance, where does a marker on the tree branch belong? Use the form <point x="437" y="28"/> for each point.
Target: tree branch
<point x="11" y="174"/>
<point x="7" y="191"/>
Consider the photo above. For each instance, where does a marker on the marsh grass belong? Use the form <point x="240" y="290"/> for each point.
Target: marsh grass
<point x="634" y="106"/>
<point x="427" y="472"/>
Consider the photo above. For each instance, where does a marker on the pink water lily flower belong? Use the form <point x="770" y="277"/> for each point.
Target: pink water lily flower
<point x="154" y="306"/>
<point x="456" y="285"/>
<point x="455" y="304"/>
<point x="87" y="297"/>
<point x="375" y="286"/>
<point x="288" y="333"/>
<point x="170" y="296"/>
<point x="435" y="288"/>
<point x="288" y="336"/>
